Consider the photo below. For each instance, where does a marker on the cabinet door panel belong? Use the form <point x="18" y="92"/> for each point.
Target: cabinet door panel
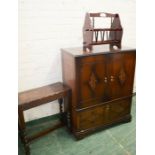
<point x="120" y="69"/>
<point x="91" y="80"/>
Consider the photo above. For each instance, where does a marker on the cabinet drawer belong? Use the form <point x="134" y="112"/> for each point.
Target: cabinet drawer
<point x="118" y="109"/>
<point x="103" y="114"/>
<point x="91" y="118"/>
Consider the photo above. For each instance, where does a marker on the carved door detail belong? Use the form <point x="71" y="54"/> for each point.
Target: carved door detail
<point x="92" y="84"/>
<point x="106" y="79"/>
<point x="93" y="81"/>
<point x="121" y="75"/>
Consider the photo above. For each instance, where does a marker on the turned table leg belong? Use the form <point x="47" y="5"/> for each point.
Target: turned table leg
<point x="60" y="100"/>
<point x="64" y="109"/>
<point x="68" y="110"/>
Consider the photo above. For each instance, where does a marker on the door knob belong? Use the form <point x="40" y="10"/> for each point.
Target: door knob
<point x="112" y="78"/>
<point x="105" y="80"/>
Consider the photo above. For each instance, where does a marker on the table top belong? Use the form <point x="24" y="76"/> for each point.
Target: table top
<point x="41" y="93"/>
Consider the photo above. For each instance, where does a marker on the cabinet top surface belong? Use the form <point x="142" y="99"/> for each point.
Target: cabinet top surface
<point x="103" y="49"/>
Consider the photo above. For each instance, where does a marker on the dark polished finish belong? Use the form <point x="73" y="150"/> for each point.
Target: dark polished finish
<point x="97" y="36"/>
<point x="102" y="85"/>
<point x="35" y="97"/>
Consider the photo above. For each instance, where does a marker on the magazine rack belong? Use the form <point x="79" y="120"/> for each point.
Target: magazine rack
<point x="98" y="36"/>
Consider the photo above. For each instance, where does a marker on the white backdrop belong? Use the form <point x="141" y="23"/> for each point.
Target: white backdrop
<point x="45" y="26"/>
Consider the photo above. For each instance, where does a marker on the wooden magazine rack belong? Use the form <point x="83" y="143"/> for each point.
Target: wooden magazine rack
<point x="98" y="36"/>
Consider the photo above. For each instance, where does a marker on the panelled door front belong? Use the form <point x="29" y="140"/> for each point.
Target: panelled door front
<point x="120" y="74"/>
<point x="92" y="80"/>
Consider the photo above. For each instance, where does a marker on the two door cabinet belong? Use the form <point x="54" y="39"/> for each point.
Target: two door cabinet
<point x="102" y="87"/>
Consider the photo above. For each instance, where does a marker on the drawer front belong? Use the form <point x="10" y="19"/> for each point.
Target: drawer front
<point x="103" y="114"/>
<point x="92" y="82"/>
<point x="91" y="118"/>
<point x="118" y="109"/>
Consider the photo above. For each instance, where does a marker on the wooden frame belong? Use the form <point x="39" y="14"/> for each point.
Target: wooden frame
<point x="39" y="96"/>
<point x="111" y="35"/>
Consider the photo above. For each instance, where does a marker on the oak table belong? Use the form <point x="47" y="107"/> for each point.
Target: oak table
<point x="39" y="96"/>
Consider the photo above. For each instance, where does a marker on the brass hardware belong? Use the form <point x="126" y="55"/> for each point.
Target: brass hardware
<point x="105" y="80"/>
<point x="112" y="78"/>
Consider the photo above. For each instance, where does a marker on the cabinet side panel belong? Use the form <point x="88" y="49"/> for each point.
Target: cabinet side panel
<point x="69" y="79"/>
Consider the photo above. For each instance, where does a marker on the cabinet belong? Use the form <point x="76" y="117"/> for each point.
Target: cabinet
<point x="102" y="85"/>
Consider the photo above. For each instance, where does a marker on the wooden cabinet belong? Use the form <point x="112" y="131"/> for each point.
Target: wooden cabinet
<point x="102" y="85"/>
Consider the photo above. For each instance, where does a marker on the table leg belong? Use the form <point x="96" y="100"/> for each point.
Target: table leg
<point x="68" y="109"/>
<point x="66" y="114"/>
<point x="61" y="108"/>
<point x="22" y="130"/>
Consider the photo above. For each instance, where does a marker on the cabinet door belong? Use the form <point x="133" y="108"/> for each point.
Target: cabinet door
<point x="120" y="69"/>
<point x="92" y="82"/>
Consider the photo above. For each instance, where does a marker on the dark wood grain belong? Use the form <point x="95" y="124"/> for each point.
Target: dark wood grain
<point x="102" y="85"/>
<point x="44" y="132"/>
<point x="96" y="50"/>
<point x="39" y="96"/>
